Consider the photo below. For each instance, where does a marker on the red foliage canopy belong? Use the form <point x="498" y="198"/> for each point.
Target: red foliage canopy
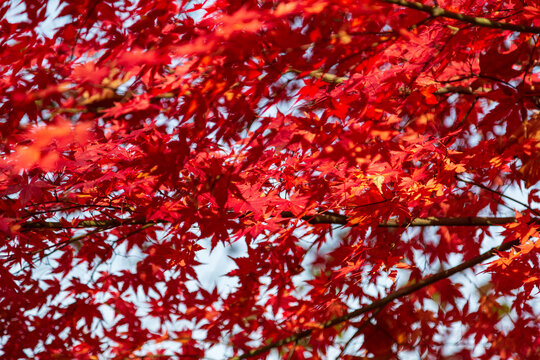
<point x="335" y="162"/>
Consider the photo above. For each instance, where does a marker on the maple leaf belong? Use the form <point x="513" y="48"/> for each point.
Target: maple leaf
<point x="307" y="151"/>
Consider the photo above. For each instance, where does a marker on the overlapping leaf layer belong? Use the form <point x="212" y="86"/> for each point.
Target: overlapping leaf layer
<point x="347" y="148"/>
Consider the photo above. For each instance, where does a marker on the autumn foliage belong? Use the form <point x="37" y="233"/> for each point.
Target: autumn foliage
<point x="362" y="174"/>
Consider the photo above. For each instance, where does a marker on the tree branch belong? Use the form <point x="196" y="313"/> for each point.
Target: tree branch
<point x="30" y="225"/>
<point x="74" y="239"/>
<point x="333" y="218"/>
<point x="467" y="90"/>
<point x="404" y="291"/>
<point x="326" y="77"/>
<point x="323" y="218"/>
<point x="478" y="21"/>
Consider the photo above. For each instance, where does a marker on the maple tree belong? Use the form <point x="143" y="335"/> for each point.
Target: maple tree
<point x="358" y="153"/>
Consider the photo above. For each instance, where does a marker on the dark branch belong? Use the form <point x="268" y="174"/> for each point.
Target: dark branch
<point x="477" y="21"/>
<point x="333" y="218"/>
<point x="85" y="224"/>
<point x="404" y="291"/>
<point x="326" y="77"/>
<point x="325" y="218"/>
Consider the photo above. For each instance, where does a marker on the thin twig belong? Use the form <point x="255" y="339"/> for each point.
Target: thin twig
<point x="59" y="245"/>
<point x="482" y="186"/>
<point x="291" y="353"/>
<point x="89" y="12"/>
<point x="359" y="331"/>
